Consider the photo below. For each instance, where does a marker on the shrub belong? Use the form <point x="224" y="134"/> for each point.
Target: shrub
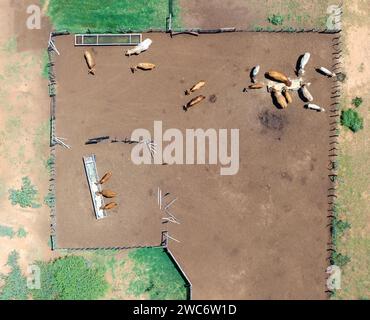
<point x="49" y="164"/>
<point x="338" y="228"/>
<point x="49" y="199"/>
<point x="15" y="284"/>
<point x="339" y="259"/>
<point x="26" y="196"/>
<point x="276" y="19"/>
<point x="21" y="233"/>
<point x="6" y="232"/>
<point x="352" y="120"/>
<point x="71" y="278"/>
<point x="357" y="101"/>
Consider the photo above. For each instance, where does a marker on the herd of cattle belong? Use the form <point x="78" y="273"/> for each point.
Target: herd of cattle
<point x="106" y="193"/>
<point x="280" y="86"/>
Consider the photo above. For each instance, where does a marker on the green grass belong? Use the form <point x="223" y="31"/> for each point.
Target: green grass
<point x="155" y="275"/>
<point x="15" y="284"/>
<point x="45" y="65"/>
<point x="26" y="196"/>
<point x="10" y="45"/>
<point x="102" y="16"/>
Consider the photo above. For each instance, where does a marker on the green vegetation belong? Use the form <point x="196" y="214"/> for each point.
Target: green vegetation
<point x="10" y="46"/>
<point x="352" y="120"/>
<point x="9" y="232"/>
<point x="103" y="16"/>
<point x="276" y="19"/>
<point x="339" y="259"/>
<point x="6" y="231"/>
<point x="49" y="199"/>
<point x="71" y="278"/>
<point x="49" y="163"/>
<point x="26" y="196"/>
<point x="155" y="275"/>
<point x="357" y="101"/>
<point x="21" y="233"/>
<point x="15" y="284"/>
<point x="45" y="65"/>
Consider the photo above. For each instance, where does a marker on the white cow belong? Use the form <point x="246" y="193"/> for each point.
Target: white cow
<point x="314" y="107"/>
<point x="303" y="62"/>
<point x="327" y="72"/>
<point x="142" y="46"/>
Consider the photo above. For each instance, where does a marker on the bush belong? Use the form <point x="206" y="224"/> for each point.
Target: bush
<point x="49" y="200"/>
<point x="338" y="229"/>
<point x="49" y="164"/>
<point x="352" y="120"/>
<point x="339" y="259"/>
<point x="6" y="232"/>
<point x="21" y="233"/>
<point x="26" y="196"/>
<point x="15" y="284"/>
<point x="71" y="278"/>
<point x="276" y="19"/>
<point x="357" y="101"/>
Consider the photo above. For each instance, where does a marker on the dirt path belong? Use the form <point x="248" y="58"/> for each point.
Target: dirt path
<point x="24" y="113"/>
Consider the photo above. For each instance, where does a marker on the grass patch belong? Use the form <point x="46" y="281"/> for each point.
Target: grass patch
<point x="15" y="284"/>
<point x="45" y="65"/>
<point x="352" y="120"/>
<point x="71" y="278"/>
<point x="10" y="46"/>
<point x="26" y="196"/>
<point x="101" y="16"/>
<point x="155" y="275"/>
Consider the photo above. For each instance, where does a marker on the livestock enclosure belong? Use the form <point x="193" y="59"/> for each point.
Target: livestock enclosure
<point x="258" y="234"/>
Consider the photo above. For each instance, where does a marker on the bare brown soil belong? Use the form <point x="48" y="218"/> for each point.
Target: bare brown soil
<point x="23" y="145"/>
<point x="259" y="234"/>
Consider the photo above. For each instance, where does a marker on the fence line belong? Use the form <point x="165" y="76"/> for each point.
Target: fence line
<point x="336" y="94"/>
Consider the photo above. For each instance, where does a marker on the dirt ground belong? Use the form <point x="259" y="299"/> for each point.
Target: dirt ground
<point x="259" y="234"/>
<point x="24" y="112"/>
<point x="250" y="14"/>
